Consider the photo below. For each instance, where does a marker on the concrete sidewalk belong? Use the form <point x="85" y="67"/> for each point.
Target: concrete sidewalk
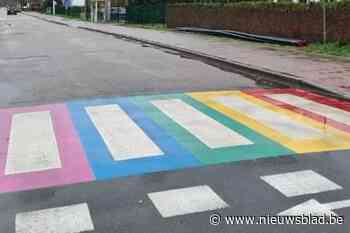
<point x="326" y="73"/>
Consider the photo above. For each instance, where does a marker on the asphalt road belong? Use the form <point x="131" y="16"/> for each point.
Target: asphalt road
<point x="41" y="62"/>
<point x="122" y="205"/>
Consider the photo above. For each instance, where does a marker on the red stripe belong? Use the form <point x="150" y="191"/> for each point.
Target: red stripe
<point x="343" y="105"/>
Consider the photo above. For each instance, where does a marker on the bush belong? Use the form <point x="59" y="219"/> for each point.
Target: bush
<point x="146" y="12"/>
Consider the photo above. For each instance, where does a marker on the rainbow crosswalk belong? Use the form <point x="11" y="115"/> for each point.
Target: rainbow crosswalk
<point x="80" y="141"/>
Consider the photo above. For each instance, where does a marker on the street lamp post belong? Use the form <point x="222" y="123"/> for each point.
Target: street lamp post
<point x="96" y="11"/>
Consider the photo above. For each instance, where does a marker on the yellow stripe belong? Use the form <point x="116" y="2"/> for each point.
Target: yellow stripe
<point x="332" y="139"/>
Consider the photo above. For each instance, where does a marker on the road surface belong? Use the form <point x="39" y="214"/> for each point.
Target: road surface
<point x="43" y="62"/>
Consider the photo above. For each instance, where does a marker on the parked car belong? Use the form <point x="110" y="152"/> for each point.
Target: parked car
<point x="12" y="11"/>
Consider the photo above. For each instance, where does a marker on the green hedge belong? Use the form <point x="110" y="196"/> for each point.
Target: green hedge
<point x="146" y="13"/>
<point x="72" y="11"/>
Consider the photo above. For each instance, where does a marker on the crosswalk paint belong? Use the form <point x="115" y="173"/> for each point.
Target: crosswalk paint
<point x="293" y="130"/>
<point x="120" y="133"/>
<point x="208" y="131"/>
<point x="67" y="219"/>
<point x="309" y="105"/>
<point x="300" y="183"/>
<point x="312" y="207"/>
<point x="274" y="120"/>
<point x="172" y="131"/>
<point x="135" y="161"/>
<point x="184" y="201"/>
<point x="260" y="147"/>
<point x="32" y="144"/>
<point x="41" y="149"/>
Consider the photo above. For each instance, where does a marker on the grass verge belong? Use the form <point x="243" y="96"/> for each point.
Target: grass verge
<point x="334" y="49"/>
<point x="155" y="26"/>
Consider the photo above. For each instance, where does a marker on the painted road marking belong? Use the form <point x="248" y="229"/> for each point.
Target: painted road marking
<point x="312" y="207"/>
<point x="174" y="146"/>
<point x="321" y="109"/>
<point x="274" y="120"/>
<point x="32" y="145"/>
<point x="67" y="219"/>
<point x="298" y="183"/>
<point x="210" y="132"/>
<point x="99" y="155"/>
<point x="333" y="110"/>
<point x="40" y="130"/>
<point x="260" y="147"/>
<point x="183" y="201"/>
<point x="314" y="136"/>
<point x="338" y="204"/>
<point x="120" y="133"/>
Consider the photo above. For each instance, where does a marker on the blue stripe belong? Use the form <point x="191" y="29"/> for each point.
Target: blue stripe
<point x="101" y="161"/>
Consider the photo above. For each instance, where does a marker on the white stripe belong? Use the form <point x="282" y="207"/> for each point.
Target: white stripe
<point x="312" y="106"/>
<point x="32" y="145"/>
<point x="312" y="207"/>
<point x="186" y="201"/>
<point x="208" y="131"/>
<point x="124" y="139"/>
<point x="338" y="204"/>
<point x="274" y="120"/>
<point x="300" y="183"/>
<point x="67" y="219"/>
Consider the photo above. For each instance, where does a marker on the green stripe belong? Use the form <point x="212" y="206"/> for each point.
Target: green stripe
<point x="262" y="147"/>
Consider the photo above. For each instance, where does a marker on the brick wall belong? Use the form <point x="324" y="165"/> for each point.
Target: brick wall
<point x="303" y="24"/>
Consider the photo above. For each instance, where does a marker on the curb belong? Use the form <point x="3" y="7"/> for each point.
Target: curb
<point x="253" y="72"/>
<point x="47" y="20"/>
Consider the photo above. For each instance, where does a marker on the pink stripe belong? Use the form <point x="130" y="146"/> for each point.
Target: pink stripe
<point x="75" y="167"/>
